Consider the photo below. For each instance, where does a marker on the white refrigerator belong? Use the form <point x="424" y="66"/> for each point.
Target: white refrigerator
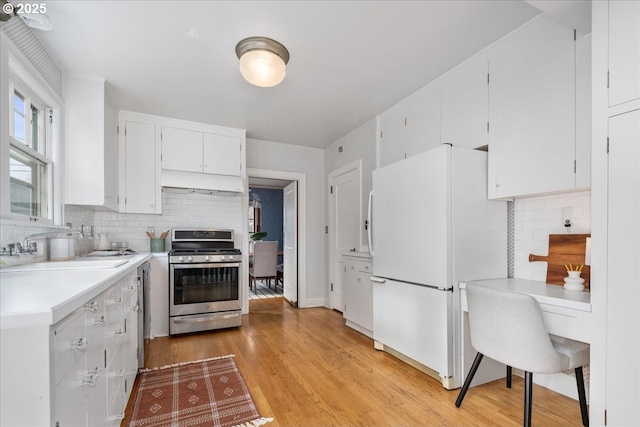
<point x="431" y="227"/>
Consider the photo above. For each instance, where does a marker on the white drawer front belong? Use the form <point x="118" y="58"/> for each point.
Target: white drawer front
<point x="129" y="286"/>
<point x="115" y="384"/>
<point x="70" y="343"/>
<point x="365" y="266"/>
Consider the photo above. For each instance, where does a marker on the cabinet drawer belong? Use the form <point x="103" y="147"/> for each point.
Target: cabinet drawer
<point x="129" y="286"/>
<point x="70" y="343"/>
<point x="365" y="266"/>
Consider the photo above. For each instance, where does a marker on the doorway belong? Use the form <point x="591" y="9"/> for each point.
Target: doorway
<point x="293" y="186"/>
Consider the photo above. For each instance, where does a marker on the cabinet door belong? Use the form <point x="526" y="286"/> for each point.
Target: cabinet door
<point x="365" y="293"/>
<point x="423" y="125"/>
<point x="533" y="134"/>
<point x="623" y="292"/>
<point x="70" y="402"/>
<point x="97" y="392"/>
<point x="111" y="157"/>
<point x="392" y="146"/>
<point x="131" y="343"/>
<point x="412" y="130"/>
<point x="181" y="149"/>
<point x="140" y="168"/>
<point x="350" y="272"/>
<point x="222" y="154"/>
<point x="465" y="109"/>
<point x="624" y="51"/>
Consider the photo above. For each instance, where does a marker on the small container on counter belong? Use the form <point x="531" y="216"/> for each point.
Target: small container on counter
<point x="156" y="244"/>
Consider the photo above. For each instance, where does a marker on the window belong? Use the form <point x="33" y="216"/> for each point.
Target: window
<point x="29" y="167"/>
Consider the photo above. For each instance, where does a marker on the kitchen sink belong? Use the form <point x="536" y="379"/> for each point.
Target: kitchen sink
<point x="80" y="264"/>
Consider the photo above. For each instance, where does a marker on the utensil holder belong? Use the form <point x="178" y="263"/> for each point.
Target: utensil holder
<point x="574" y="282"/>
<point x="156" y="244"/>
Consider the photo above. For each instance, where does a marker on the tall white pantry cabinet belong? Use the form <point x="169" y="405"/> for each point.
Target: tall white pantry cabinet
<point x="615" y="350"/>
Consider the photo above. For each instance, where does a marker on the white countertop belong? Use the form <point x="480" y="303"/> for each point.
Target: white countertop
<point x="357" y="254"/>
<point x="545" y="294"/>
<point x="46" y="297"/>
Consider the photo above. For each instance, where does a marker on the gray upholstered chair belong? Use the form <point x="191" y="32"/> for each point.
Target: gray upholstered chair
<point x="509" y="327"/>
<point x="265" y="262"/>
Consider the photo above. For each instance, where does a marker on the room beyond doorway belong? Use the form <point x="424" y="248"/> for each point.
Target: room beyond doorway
<point x="292" y="185"/>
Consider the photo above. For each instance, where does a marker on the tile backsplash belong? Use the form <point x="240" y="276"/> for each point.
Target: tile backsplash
<point x="537" y="217"/>
<point x="180" y="209"/>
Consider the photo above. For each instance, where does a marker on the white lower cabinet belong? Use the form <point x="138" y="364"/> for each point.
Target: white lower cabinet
<point x="358" y="294"/>
<point x="95" y="358"/>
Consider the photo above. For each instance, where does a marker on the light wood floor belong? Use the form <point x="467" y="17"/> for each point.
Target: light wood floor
<point x="305" y="368"/>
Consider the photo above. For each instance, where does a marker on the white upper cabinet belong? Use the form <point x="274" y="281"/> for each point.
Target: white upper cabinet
<point x="91" y="144"/>
<point x="222" y="154"/>
<point x="533" y="127"/>
<point x="465" y="109"/>
<point x="194" y="151"/>
<point x="140" y="184"/>
<point x="410" y="130"/>
<point x="624" y="51"/>
<point x="181" y="149"/>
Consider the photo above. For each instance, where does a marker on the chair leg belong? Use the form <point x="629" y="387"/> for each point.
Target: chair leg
<point x="582" y="397"/>
<point x="467" y="382"/>
<point x="528" y="396"/>
<point x="509" y="372"/>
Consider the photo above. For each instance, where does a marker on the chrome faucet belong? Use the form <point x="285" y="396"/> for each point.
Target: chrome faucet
<point x="29" y="247"/>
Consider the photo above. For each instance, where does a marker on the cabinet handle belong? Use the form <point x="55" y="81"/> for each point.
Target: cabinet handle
<point x="90" y="380"/>
<point x="92" y="306"/>
<point x="136" y="308"/>
<point x="116" y="301"/>
<point x="80" y="344"/>
<point x="120" y="373"/>
<point x="119" y="416"/>
<point x="120" y="332"/>
<point x="130" y="287"/>
<point x="101" y="321"/>
<point x="97" y="372"/>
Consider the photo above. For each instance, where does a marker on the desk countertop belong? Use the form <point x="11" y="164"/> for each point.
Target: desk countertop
<point x="543" y="292"/>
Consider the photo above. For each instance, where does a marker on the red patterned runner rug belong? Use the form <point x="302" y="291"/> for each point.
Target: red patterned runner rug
<point x="208" y="392"/>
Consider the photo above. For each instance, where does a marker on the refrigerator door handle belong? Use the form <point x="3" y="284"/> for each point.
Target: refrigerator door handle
<point x="377" y="279"/>
<point x="369" y="229"/>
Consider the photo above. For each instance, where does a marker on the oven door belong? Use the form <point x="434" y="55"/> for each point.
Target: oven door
<point x="204" y="288"/>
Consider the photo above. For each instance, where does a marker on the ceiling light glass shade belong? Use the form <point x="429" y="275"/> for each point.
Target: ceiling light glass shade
<point x="262" y="61"/>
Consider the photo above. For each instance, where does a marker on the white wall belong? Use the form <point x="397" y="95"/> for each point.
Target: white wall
<point x="310" y="161"/>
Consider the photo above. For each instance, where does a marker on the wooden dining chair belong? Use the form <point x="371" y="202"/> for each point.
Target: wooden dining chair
<point x="265" y="262"/>
<point x="509" y="327"/>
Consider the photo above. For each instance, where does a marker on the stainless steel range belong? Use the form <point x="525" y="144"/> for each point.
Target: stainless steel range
<point x="204" y="281"/>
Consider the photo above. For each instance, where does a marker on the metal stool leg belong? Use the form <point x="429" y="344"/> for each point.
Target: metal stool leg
<point x="467" y="382"/>
<point x="582" y="397"/>
<point x="528" y="397"/>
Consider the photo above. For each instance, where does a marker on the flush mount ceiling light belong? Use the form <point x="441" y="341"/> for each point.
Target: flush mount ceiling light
<point x="262" y="61"/>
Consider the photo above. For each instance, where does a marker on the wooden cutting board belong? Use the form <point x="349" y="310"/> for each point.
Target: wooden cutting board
<point x="564" y="249"/>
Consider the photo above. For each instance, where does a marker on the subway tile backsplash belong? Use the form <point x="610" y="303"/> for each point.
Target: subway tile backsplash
<point x="537" y="217"/>
<point x="180" y="209"/>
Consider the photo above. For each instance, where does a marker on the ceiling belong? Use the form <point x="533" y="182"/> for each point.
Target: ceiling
<point x="350" y="60"/>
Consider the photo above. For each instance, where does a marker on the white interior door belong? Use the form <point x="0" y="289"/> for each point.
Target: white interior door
<point x="290" y="245"/>
<point x="345" y="236"/>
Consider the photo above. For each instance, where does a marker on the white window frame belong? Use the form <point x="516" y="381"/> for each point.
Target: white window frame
<point x="21" y="75"/>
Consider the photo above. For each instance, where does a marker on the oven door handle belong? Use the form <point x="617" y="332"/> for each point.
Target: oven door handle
<point x="204" y="317"/>
<point x="207" y="265"/>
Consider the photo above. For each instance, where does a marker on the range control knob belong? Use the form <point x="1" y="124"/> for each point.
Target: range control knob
<point x="189" y="258"/>
<point x="206" y="257"/>
<point x="223" y="258"/>
<point x="180" y="259"/>
<point x="231" y="258"/>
